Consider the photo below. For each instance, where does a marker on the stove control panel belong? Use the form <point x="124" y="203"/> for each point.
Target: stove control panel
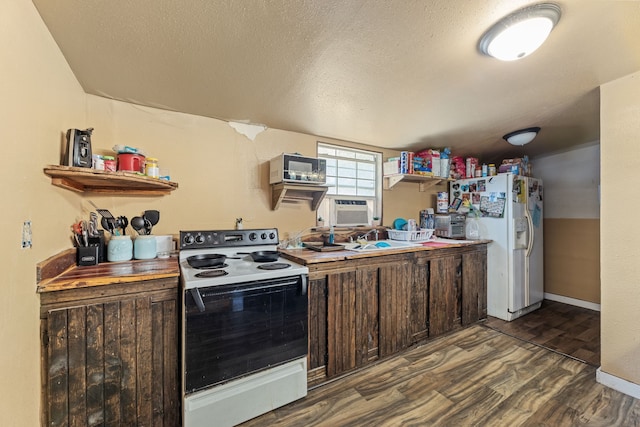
<point x="201" y="239"/>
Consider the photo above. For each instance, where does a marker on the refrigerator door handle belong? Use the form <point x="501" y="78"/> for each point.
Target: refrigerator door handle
<point x="530" y="232"/>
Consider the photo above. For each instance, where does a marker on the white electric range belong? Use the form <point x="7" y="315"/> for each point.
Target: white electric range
<point x="245" y="335"/>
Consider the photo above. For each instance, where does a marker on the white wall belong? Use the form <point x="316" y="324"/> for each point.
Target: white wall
<point x="571" y="182"/>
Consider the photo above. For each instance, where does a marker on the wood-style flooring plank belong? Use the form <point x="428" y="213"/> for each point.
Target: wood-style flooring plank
<point x="476" y="376"/>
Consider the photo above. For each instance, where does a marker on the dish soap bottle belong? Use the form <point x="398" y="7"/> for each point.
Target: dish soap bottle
<point x="331" y="235"/>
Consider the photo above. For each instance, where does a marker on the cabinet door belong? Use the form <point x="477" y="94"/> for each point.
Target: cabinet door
<point x="394" y="284"/>
<point x="419" y="300"/>
<point x="317" y="329"/>
<point x="445" y="294"/>
<point x="113" y="363"/>
<point x="352" y="312"/>
<point x="474" y="287"/>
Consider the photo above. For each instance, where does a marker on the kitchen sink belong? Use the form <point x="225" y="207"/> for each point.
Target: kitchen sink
<point x="379" y="245"/>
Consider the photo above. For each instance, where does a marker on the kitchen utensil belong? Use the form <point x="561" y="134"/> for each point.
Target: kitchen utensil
<point x="262" y="256"/>
<point x="138" y="224"/>
<point x="206" y="260"/>
<point x="109" y="224"/>
<point x="122" y="223"/>
<point x="84" y="228"/>
<point x="93" y="224"/>
<point x="147" y="226"/>
<point x="152" y="216"/>
<point x="105" y="213"/>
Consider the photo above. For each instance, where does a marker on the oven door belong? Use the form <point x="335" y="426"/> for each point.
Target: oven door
<point x="234" y="330"/>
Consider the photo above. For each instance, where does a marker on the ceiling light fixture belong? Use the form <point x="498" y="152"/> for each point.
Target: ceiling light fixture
<point x="522" y="136"/>
<point x="520" y="33"/>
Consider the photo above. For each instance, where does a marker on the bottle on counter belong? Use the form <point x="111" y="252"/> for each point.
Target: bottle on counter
<point x="332" y="237"/>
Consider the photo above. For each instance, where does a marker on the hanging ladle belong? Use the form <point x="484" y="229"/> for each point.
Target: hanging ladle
<point x="138" y="224"/>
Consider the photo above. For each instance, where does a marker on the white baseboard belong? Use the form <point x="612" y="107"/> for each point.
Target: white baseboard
<point x="572" y="301"/>
<point x="623" y="386"/>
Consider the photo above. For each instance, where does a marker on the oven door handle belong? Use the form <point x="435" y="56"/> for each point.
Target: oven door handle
<point x="304" y="284"/>
<point x="195" y="293"/>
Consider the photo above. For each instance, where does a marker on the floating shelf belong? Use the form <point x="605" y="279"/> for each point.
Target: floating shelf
<point x="86" y="180"/>
<point x="425" y="181"/>
<point x="297" y="192"/>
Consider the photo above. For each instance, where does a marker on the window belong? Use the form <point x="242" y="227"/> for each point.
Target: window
<point x="352" y="174"/>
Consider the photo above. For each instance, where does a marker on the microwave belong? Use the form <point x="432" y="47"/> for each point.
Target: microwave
<point x="294" y="168"/>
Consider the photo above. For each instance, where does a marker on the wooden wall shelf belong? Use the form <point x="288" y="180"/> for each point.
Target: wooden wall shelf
<point x="297" y="192"/>
<point x="425" y="181"/>
<point x="85" y="180"/>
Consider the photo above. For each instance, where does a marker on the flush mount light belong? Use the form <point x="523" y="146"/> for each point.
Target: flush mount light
<point x="521" y="33"/>
<point x="522" y="136"/>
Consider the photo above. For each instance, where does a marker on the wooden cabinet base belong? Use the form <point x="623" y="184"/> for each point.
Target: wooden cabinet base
<point x="111" y="359"/>
<point x="367" y="309"/>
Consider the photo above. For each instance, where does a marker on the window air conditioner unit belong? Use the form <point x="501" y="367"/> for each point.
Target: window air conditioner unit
<point x="351" y="212"/>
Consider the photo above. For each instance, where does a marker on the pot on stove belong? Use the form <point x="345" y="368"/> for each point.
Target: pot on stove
<point x="206" y="260"/>
<point x="262" y="256"/>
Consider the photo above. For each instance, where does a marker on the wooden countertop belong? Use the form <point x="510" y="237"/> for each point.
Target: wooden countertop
<point x="308" y="256"/>
<point x="56" y="274"/>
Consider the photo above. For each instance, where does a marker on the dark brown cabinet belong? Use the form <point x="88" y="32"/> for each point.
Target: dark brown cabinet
<point x="394" y="298"/>
<point x="110" y="355"/>
<point x="364" y="309"/>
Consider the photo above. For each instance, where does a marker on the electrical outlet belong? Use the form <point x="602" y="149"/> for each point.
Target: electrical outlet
<point x="26" y="235"/>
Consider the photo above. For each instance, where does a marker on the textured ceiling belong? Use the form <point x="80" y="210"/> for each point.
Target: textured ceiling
<point x="397" y="74"/>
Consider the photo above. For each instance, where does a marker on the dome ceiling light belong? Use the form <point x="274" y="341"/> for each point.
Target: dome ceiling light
<point x="519" y="34"/>
<point x="522" y="136"/>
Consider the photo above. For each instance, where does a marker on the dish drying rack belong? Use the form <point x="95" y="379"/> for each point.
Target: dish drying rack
<point x="411" y="236"/>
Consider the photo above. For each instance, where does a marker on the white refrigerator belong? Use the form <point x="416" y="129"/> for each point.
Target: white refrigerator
<point x="511" y="216"/>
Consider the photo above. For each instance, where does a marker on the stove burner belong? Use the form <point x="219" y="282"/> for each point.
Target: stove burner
<point x="212" y="273"/>
<point x="213" y="267"/>
<point x="274" y="266"/>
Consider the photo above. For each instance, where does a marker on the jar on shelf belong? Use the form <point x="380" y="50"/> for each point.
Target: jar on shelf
<point x="97" y="162"/>
<point x="151" y="167"/>
<point x="109" y="163"/>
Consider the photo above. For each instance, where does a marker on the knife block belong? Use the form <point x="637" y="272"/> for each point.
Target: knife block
<point x="100" y="242"/>
<point x="87" y="255"/>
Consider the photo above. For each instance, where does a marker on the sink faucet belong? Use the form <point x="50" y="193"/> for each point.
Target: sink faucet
<point x="364" y="236"/>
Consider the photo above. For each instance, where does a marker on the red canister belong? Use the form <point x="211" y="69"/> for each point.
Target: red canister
<point x="131" y="162"/>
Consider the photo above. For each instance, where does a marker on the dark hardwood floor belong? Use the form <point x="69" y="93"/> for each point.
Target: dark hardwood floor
<point x="477" y="376"/>
<point x="570" y="330"/>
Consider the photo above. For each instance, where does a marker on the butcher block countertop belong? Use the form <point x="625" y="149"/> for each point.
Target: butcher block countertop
<point x="61" y="273"/>
<point x="308" y="256"/>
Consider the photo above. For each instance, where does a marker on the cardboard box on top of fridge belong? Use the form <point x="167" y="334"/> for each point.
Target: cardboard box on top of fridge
<point x="517" y="166"/>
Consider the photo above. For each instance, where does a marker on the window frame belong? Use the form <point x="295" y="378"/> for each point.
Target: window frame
<point x="326" y="210"/>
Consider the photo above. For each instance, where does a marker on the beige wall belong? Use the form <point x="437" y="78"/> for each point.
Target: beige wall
<point x="620" y="135"/>
<point x="40" y="97"/>
<point x="222" y="175"/>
